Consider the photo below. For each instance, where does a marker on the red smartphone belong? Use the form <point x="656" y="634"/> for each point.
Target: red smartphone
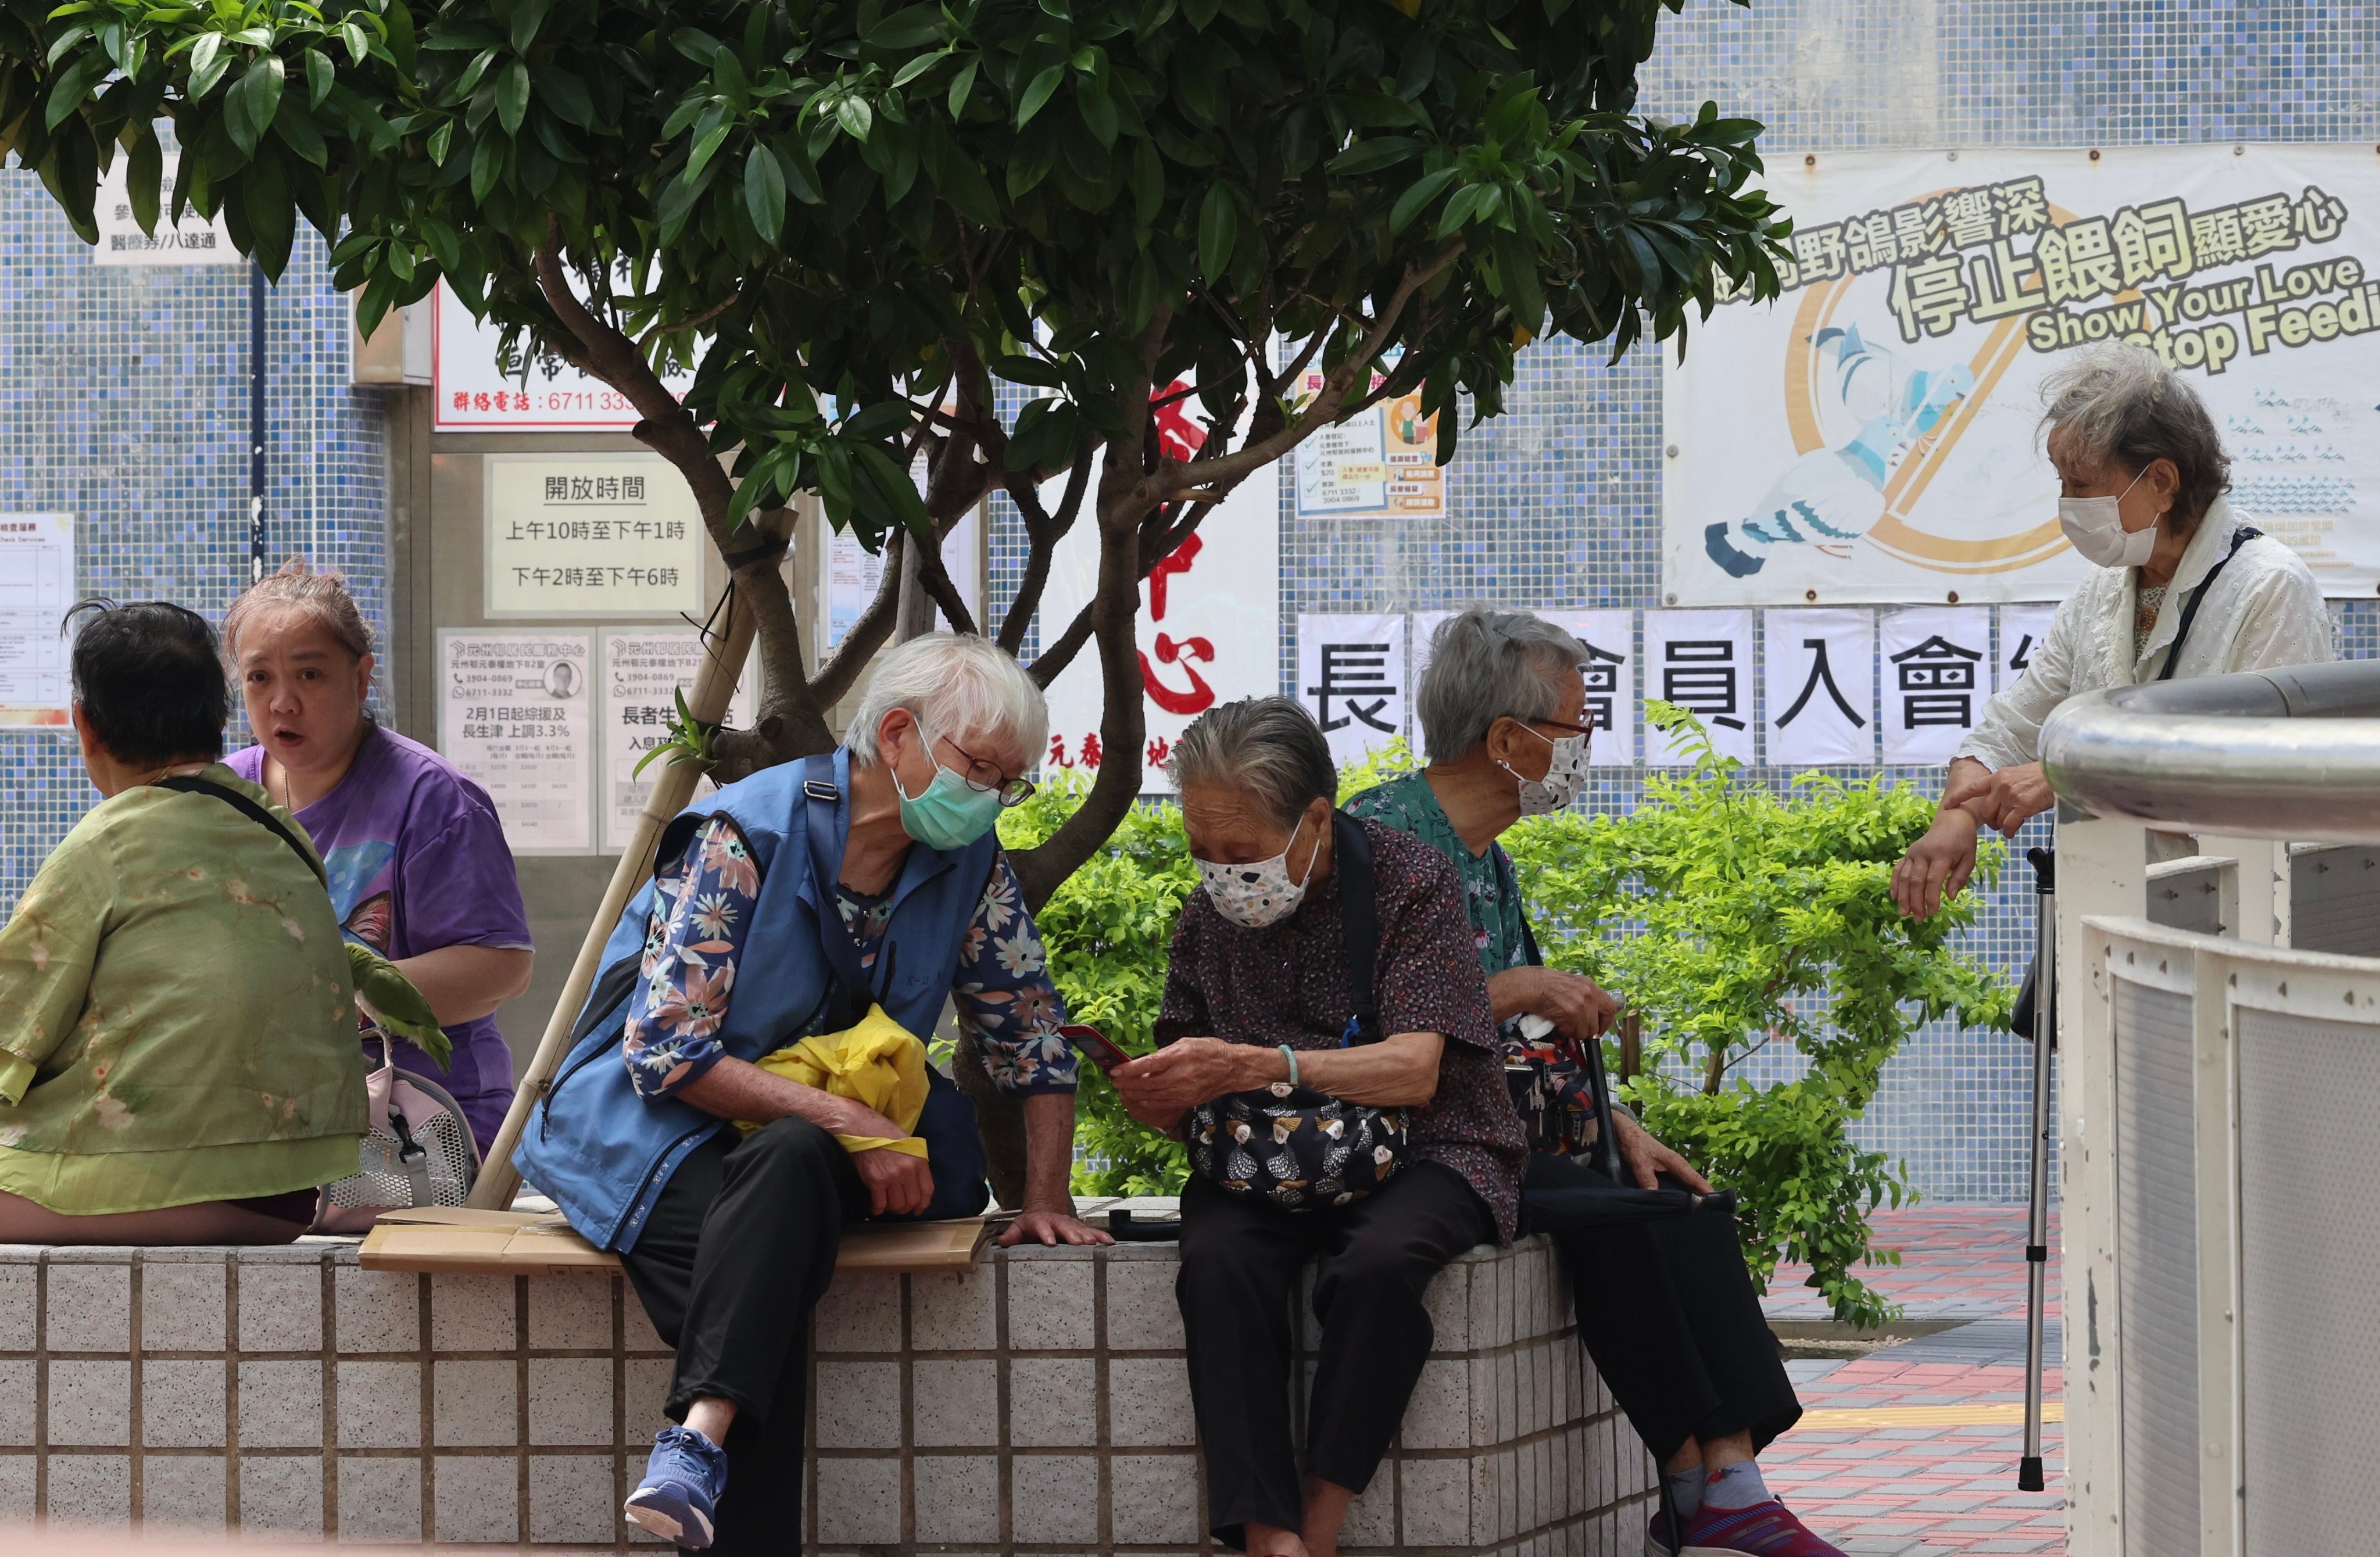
<point x="1094" y="1045"/>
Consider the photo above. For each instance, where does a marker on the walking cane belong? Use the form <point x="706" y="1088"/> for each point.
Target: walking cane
<point x="2036" y="1240"/>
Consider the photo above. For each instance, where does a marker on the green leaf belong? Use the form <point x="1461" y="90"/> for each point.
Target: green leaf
<point x="961" y="85"/>
<point x="564" y="93"/>
<point x="440" y="138"/>
<point x="512" y="97"/>
<point x="858" y="119"/>
<point x="903" y="31"/>
<point x="320" y="76"/>
<point x="1038" y="94"/>
<point x="916" y="68"/>
<point x="204" y="52"/>
<point x="527" y="16"/>
<point x="487" y="165"/>
<point x="704" y="150"/>
<point x="764" y="193"/>
<point x="1019" y="369"/>
<point x="144" y="171"/>
<point x="255" y="98"/>
<point x="1097" y="109"/>
<point x="1218" y="231"/>
<point x="359" y="46"/>
<point x="1370" y="156"/>
<point x="1418" y="195"/>
<point x="297" y="131"/>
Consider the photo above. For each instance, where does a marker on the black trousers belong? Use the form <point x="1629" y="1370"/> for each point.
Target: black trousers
<point x="1666" y="1310"/>
<point x="1240" y="1259"/>
<point x="738" y="1250"/>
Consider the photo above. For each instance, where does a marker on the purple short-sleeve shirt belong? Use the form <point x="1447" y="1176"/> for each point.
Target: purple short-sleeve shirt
<point x="417" y="861"/>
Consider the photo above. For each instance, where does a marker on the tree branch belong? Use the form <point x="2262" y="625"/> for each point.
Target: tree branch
<point x="1043" y="530"/>
<point x="837" y="676"/>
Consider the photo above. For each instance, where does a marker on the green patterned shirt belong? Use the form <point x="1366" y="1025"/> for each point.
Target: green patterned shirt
<point x="1409" y="805"/>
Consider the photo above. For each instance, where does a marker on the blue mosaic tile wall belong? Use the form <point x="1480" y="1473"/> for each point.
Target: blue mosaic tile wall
<point x="124" y="400"/>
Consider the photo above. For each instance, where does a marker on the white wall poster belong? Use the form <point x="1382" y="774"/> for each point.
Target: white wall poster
<point x="517" y="717"/>
<point x="1870" y="434"/>
<point x="1208" y="628"/>
<point x="591" y="535"/>
<point x="1820" y="668"/>
<point x="37" y="586"/>
<point x="1701" y="661"/>
<point x="1351" y="676"/>
<point x="1609" y="638"/>
<point x="642" y="672"/>
<point x="2023" y="630"/>
<point x="1379" y="464"/>
<point x="193" y="240"/>
<point x="527" y="391"/>
<point x="1934" y="680"/>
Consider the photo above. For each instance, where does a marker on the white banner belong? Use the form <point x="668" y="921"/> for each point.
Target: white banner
<point x="2022" y="628"/>
<point x="1702" y="660"/>
<point x="1934" y="680"/>
<point x="1209" y="626"/>
<point x="1424" y="627"/>
<point x="1611" y="641"/>
<point x="474" y="392"/>
<point x="516" y="716"/>
<point x="1870" y="435"/>
<point x="1821" y="687"/>
<point x="643" y="671"/>
<point x="1351" y="676"/>
<point x="194" y="240"/>
<point x="581" y="536"/>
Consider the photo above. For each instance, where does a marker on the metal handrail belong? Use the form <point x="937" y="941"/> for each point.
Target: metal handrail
<point x="2290" y="753"/>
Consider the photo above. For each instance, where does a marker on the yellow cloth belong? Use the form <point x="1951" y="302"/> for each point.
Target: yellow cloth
<point x="878" y="1064"/>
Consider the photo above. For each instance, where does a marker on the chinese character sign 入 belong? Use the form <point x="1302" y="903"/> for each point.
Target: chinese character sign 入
<point x="1610" y="639"/>
<point x="643" y="673"/>
<point x="1936" y="679"/>
<point x="1821" y="686"/>
<point x="1702" y="662"/>
<point x="514" y="714"/>
<point x="1868" y="436"/>
<point x="37" y="585"/>
<point x="601" y="536"/>
<point x="1351" y="674"/>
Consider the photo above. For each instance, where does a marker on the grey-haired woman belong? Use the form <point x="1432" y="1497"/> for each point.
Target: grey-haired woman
<point x="2142" y="475"/>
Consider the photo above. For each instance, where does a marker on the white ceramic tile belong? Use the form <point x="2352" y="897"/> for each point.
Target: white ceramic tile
<point x="280" y="1307"/>
<point x="281" y="1496"/>
<point x="570" y="1313"/>
<point x="859" y="1501"/>
<point x="861" y="1312"/>
<point x="1149" y="1403"/>
<point x="91" y="1402"/>
<point x="380" y="1500"/>
<point x="183" y="1492"/>
<point x="958" y="1498"/>
<point x="90" y="1307"/>
<point x="1155" y="1499"/>
<point x="1053" y="1403"/>
<point x="90" y="1488"/>
<point x="281" y="1404"/>
<point x="1438" y="1414"/>
<point x="953" y="1311"/>
<point x="20" y="1306"/>
<point x="473" y="1314"/>
<point x="17" y="1403"/>
<point x="858" y="1405"/>
<point x="570" y="1500"/>
<point x="475" y="1498"/>
<point x="378" y="1311"/>
<point x="379" y="1406"/>
<point x="1435" y="1501"/>
<point x="955" y="1403"/>
<point x="19" y="1474"/>
<point x="569" y="1400"/>
<point x="182" y="1305"/>
<point x="1143" y="1314"/>
<point x="182" y="1404"/>
<point x="473" y="1404"/>
<point x="1049" y="1298"/>
<point x="1054" y="1498"/>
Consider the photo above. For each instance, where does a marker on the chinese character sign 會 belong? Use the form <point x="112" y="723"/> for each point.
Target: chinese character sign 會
<point x="602" y="536"/>
<point x="1870" y="435"/>
<point x="514" y="715"/>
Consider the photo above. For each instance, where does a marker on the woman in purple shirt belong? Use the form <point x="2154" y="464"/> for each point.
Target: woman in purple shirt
<point x="418" y="867"/>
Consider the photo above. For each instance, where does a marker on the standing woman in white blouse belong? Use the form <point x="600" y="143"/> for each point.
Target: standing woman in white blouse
<point x="2185" y="586"/>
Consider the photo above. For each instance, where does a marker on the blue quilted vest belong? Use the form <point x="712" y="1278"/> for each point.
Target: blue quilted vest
<point x="604" y="1152"/>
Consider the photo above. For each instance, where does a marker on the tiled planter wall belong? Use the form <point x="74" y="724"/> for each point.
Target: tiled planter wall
<point x="288" y="1391"/>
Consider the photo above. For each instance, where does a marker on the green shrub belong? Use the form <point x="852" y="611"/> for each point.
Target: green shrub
<point x="1728" y="917"/>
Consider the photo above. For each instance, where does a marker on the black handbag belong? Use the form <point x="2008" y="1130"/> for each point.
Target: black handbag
<point x="1296" y="1146"/>
<point x="1555" y="1087"/>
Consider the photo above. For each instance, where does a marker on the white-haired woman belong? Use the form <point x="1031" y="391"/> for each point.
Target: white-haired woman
<point x="2183" y="586"/>
<point x="786" y="905"/>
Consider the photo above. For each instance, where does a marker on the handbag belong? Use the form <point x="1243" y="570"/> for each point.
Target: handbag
<point x="1299" y="1148"/>
<point x="1555" y="1088"/>
<point x="418" y="1151"/>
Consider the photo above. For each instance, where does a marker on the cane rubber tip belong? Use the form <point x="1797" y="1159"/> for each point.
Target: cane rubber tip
<point x="2028" y="1474"/>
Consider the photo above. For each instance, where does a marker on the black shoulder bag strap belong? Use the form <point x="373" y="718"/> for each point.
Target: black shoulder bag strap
<point x="2239" y="538"/>
<point x="820" y="796"/>
<point x="191" y="783"/>
<point x="1607" y="1139"/>
<point x="1359" y="920"/>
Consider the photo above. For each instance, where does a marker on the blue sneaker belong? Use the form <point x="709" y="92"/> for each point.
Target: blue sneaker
<point x="683" y="1481"/>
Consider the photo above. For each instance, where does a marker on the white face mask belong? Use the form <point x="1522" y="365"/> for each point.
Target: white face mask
<point x="1260" y="893"/>
<point x="2095" y="526"/>
<point x="1565" y="775"/>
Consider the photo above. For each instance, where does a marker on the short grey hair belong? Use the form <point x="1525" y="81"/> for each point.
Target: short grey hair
<point x="953" y="685"/>
<point x="1485" y="665"/>
<point x="1269" y="747"/>
<point x="2120" y="403"/>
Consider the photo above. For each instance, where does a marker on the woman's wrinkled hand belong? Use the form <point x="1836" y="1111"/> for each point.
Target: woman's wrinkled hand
<point x="1581" y="1009"/>
<point x="1645" y="1159"/>
<point x="1936" y="867"/>
<point x="1158" y="1088"/>
<point x="2016" y="794"/>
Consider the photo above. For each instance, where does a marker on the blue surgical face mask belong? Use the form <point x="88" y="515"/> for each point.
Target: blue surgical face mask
<point x="949" y="813"/>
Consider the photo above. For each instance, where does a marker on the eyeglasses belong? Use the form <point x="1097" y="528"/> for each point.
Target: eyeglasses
<point x="1587" y="730"/>
<point x="985" y="778"/>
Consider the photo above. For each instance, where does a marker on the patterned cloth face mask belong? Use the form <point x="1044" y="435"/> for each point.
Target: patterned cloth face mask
<point x="1258" y="894"/>
<point x="1565" y="775"/>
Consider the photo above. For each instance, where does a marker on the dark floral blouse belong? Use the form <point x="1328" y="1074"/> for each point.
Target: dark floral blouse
<point x="1287" y="983"/>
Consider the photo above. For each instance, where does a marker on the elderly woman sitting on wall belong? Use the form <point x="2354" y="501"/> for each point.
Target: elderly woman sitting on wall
<point x="1328" y="1054"/>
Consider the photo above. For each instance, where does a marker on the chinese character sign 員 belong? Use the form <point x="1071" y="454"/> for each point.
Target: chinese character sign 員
<point x="1870" y="434"/>
<point x="601" y="536"/>
<point x="1702" y="662"/>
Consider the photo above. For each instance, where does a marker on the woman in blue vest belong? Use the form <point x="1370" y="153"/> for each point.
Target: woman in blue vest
<point x="784" y="907"/>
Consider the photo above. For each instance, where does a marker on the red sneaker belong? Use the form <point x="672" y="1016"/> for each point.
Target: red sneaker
<point x="1765" y="1529"/>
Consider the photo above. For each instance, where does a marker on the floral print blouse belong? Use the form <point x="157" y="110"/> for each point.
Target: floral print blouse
<point x="694" y="938"/>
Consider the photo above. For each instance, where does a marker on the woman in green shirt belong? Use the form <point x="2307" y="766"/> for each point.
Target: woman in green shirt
<point x="179" y="1061"/>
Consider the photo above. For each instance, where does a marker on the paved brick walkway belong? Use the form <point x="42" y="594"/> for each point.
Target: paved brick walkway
<point x="1883" y="1492"/>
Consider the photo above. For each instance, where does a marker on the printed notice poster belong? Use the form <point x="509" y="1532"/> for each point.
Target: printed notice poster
<point x="591" y="535"/>
<point x="1379" y="464"/>
<point x="643" y="673"/>
<point x="193" y="240"/>
<point x="480" y="387"/>
<point x="1870" y="434"/>
<point x="517" y="717"/>
<point x="37" y="585"/>
<point x="853" y="574"/>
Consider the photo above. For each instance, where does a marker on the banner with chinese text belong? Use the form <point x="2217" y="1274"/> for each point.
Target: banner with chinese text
<point x="477" y="386"/>
<point x="1351" y="676"/>
<point x="1870" y="435"/>
<point x="591" y="535"/>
